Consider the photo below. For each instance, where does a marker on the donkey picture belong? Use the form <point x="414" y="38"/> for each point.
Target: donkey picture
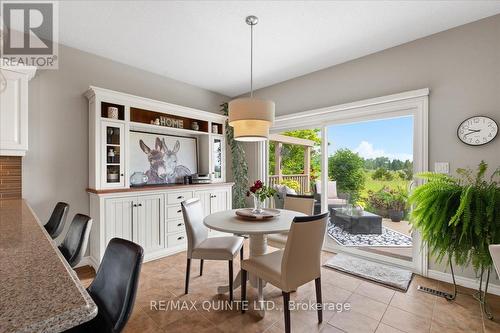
<point x="163" y="163"/>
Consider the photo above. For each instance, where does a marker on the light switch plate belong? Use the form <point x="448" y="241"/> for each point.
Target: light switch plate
<point x="442" y="167"/>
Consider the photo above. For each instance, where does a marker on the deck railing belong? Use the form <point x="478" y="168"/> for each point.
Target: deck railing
<point x="303" y="180"/>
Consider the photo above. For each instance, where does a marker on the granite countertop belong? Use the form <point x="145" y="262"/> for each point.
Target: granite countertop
<point x="39" y="291"/>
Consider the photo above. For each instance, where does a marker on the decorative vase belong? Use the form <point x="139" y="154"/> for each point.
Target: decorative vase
<point x="112" y="112"/>
<point x="257" y="205"/>
<point x="396" y="215"/>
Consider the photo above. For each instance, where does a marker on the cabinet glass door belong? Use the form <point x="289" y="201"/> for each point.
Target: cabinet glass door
<point x="217" y="158"/>
<point x="113" y="173"/>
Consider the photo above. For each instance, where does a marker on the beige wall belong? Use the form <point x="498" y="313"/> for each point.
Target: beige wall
<point x="56" y="165"/>
<point x="461" y="67"/>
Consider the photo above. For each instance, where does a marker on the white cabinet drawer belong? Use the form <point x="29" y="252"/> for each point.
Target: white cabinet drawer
<point x="174" y="212"/>
<point x="178" y="197"/>
<point x="175" y="226"/>
<point x="176" y="239"/>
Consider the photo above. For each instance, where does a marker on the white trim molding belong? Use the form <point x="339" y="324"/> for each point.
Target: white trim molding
<point x="413" y="103"/>
<point x="346" y="112"/>
<point x="463" y="281"/>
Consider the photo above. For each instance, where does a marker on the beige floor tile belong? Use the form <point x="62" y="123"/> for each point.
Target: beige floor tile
<point x="416" y="304"/>
<point x="462" y="314"/>
<point x="191" y="323"/>
<point x="163" y="279"/>
<point x="367" y="306"/>
<point x="383" y="328"/>
<point x="375" y="291"/>
<point x="341" y="280"/>
<point x="405" y="321"/>
<point x="140" y="322"/>
<point x="354" y="322"/>
<point x="331" y="329"/>
<point x="437" y="327"/>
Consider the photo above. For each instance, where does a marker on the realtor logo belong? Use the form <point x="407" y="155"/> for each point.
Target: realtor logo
<point x="29" y="33"/>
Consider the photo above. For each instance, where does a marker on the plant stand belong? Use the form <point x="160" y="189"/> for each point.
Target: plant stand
<point x="480" y="295"/>
<point x="439" y="293"/>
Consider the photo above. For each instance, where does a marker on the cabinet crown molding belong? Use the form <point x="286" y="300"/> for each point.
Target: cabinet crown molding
<point x="150" y="104"/>
<point x="8" y="65"/>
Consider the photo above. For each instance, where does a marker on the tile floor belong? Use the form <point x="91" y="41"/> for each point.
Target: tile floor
<point x="373" y="308"/>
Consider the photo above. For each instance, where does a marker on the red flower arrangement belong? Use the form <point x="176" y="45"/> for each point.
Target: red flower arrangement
<point x="261" y="191"/>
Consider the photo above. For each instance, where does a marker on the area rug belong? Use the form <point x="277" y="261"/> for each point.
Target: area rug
<point x="388" y="238"/>
<point x="387" y="275"/>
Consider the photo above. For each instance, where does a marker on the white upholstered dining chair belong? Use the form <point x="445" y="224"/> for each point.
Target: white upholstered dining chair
<point x="298" y="203"/>
<point x="200" y="246"/>
<point x="297" y="264"/>
<point x="495" y="256"/>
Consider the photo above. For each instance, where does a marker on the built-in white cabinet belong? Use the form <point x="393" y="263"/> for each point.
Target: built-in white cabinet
<point x="14" y="109"/>
<point x="213" y="201"/>
<point x="150" y="215"/>
<point x="138" y="219"/>
<point x="152" y="219"/>
<point x="113" y="146"/>
<point x="114" y="115"/>
<point x="150" y="222"/>
<point x="217" y="147"/>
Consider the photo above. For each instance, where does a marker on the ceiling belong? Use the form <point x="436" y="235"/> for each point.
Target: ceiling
<point x="206" y="43"/>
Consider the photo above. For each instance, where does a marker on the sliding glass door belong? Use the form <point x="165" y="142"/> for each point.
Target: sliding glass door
<point x="358" y="160"/>
<point x="370" y="172"/>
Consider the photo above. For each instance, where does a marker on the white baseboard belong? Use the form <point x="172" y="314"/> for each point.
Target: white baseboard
<point x="463" y="281"/>
<point x="446" y="277"/>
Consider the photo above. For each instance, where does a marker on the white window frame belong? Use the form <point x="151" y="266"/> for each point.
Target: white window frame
<point x="410" y="103"/>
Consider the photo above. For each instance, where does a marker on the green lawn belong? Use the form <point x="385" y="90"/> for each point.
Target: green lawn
<point x="375" y="185"/>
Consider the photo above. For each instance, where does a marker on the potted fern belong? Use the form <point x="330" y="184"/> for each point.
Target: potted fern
<point x="459" y="217"/>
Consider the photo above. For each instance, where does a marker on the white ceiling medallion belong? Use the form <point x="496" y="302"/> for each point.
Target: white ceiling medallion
<point x="250" y="117"/>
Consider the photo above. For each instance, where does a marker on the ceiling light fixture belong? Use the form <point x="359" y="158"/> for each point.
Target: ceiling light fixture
<point x="251" y="117"/>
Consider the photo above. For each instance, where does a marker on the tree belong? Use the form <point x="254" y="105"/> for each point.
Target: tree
<point x="292" y="156"/>
<point x="346" y="167"/>
<point x="382" y="162"/>
<point x="382" y="174"/>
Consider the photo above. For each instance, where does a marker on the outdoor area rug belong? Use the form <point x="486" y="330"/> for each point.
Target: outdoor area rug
<point x="388" y="238"/>
<point x="387" y="275"/>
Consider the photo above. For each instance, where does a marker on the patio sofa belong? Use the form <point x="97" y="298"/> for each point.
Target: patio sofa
<point x="334" y="200"/>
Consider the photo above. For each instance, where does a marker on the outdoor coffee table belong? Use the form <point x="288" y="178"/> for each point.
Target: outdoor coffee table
<point x="356" y="222"/>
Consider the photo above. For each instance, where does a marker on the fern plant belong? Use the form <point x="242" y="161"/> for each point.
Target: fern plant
<point x="459" y="217"/>
<point x="239" y="164"/>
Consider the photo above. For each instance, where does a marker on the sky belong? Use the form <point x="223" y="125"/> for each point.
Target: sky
<point x="392" y="138"/>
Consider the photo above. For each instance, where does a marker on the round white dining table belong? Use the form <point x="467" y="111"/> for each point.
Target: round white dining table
<point x="256" y="230"/>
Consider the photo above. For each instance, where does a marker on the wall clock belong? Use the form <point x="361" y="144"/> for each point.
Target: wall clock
<point x="477" y="131"/>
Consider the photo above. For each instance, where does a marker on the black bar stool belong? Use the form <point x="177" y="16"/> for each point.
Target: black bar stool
<point x="75" y="243"/>
<point x="114" y="287"/>
<point x="55" y="225"/>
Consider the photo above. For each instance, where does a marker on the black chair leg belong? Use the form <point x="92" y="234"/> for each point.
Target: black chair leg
<point x="188" y="270"/>
<point x="201" y="267"/>
<point x="286" y="310"/>
<point x="243" y="289"/>
<point x="230" y="280"/>
<point x="319" y="299"/>
<point x="241" y="253"/>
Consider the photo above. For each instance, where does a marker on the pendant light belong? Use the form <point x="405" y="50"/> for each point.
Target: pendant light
<point x="251" y="117"/>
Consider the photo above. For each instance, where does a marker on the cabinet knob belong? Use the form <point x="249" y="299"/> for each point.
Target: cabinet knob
<point x="140" y="205"/>
<point x="134" y="205"/>
<point x="121" y="174"/>
<point x="181" y="237"/>
<point x="180" y="197"/>
<point x="179" y="211"/>
<point x="180" y="224"/>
